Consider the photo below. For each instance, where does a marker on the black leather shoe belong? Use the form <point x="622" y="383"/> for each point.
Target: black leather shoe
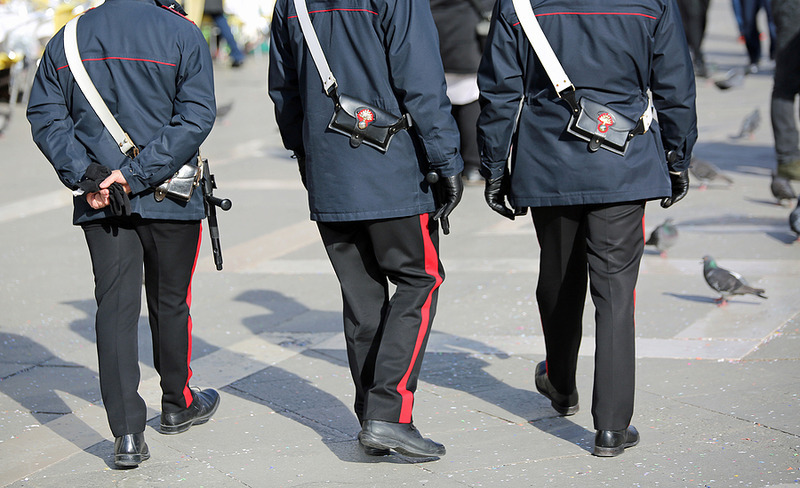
<point x="371" y="451"/>
<point x="204" y="404"/>
<point x="130" y="450"/>
<point x="403" y="438"/>
<point x="608" y="443"/>
<point x="564" y="404"/>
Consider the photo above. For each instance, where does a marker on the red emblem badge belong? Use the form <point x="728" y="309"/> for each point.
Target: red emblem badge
<point x="365" y="116"/>
<point x="604" y="122"/>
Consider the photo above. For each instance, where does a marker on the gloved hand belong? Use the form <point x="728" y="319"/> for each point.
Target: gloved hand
<point x="680" y="187"/>
<point x="118" y="197"/>
<point x="495" y="195"/>
<point x="449" y="190"/>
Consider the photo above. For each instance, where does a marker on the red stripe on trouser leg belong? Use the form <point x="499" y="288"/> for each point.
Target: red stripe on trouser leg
<point x="431" y="258"/>
<point x="187" y="393"/>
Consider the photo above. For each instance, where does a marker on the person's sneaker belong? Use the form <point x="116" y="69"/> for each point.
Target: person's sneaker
<point x="563" y="404"/>
<point x="204" y="404"/>
<point x="609" y="443"/>
<point x="790" y="170"/>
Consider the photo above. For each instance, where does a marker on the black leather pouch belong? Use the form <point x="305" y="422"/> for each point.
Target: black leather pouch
<point x="602" y="127"/>
<point x="366" y="124"/>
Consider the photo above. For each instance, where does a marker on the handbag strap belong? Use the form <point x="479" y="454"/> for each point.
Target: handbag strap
<point x="542" y="46"/>
<point x="310" y="35"/>
<point x="123" y="140"/>
<point x="553" y="67"/>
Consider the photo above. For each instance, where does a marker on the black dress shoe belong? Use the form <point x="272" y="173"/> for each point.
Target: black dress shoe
<point x="403" y="438"/>
<point x="204" y="404"/>
<point x="564" y="404"/>
<point x="608" y="443"/>
<point x="130" y="450"/>
<point x="371" y="451"/>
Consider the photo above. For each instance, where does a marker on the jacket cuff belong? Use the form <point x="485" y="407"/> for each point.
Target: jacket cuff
<point x="452" y="167"/>
<point x="491" y="170"/>
<point x="136" y="183"/>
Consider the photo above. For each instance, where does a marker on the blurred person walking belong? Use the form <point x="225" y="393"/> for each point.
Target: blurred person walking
<point x="786" y="89"/>
<point x="458" y="23"/>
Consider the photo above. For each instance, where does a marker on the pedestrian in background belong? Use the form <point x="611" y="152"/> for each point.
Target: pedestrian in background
<point x="786" y="88"/>
<point x="693" y="16"/>
<point x="215" y="10"/>
<point x="460" y="44"/>
<point x="752" y="34"/>
<point x="152" y="68"/>
<point x="373" y="205"/>
<point x="588" y="202"/>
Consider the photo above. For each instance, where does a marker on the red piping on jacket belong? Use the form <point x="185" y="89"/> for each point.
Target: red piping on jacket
<point x="123" y="59"/>
<point x="595" y="13"/>
<point x="337" y="9"/>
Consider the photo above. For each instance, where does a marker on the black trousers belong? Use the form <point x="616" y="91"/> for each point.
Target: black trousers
<point x="386" y="335"/>
<point x="467" y="118"/>
<point x="167" y="251"/>
<point x="608" y="241"/>
<point x="786" y="88"/>
<point x="693" y="16"/>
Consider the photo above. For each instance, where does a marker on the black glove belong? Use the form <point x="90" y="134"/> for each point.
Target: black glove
<point x="118" y="198"/>
<point x="448" y="191"/>
<point x="495" y="195"/>
<point x="119" y="201"/>
<point x="94" y="175"/>
<point x="680" y="187"/>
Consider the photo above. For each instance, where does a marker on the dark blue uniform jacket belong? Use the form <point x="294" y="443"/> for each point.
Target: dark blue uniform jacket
<point x="153" y="69"/>
<point x="613" y="51"/>
<point x="384" y="52"/>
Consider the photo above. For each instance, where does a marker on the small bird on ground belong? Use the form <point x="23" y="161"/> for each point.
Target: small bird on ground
<point x="706" y="172"/>
<point x="749" y="125"/>
<point x="733" y="78"/>
<point x="794" y="220"/>
<point x="224" y="110"/>
<point x="663" y="237"/>
<point x="727" y="283"/>
<point x="782" y="189"/>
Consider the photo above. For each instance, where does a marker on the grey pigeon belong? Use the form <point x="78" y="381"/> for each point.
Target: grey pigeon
<point x="749" y="125"/>
<point x="706" y="172"/>
<point x="733" y="78"/>
<point x="782" y="189"/>
<point x="794" y="220"/>
<point x="727" y="283"/>
<point x="663" y="237"/>
<point x="224" y="110"/>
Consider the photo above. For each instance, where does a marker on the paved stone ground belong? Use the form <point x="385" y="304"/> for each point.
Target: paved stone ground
<point x="717" y="387"/>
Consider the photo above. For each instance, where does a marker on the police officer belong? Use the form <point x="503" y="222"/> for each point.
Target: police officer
<point x="152" y="68"/>
<point x="587" y="202"/>
<point x="375" y="210"/>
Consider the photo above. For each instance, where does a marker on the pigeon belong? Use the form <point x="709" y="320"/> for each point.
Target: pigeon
<point x="794" y="220"/>
<point x="733" y="78"/>
<point x="224" y="110"/>
<point x="749" y="125"/>
<point x="782" y="189"/>
<point x="727" y="283"/>
<point x="706" y="172"/>
<point x="663" y="237"/>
